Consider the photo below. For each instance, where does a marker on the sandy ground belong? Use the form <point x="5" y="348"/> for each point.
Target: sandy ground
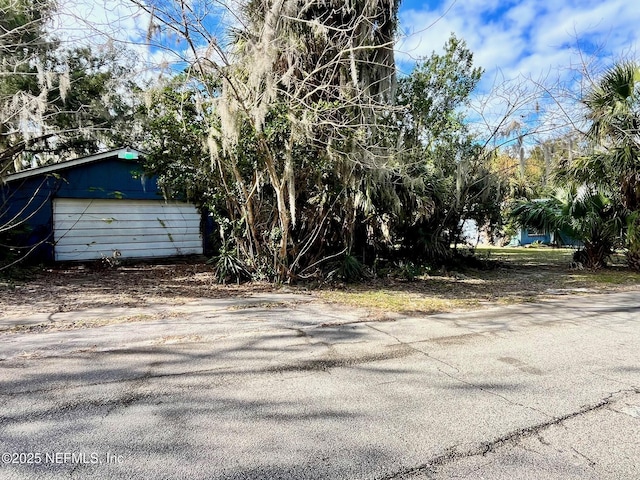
<point x="81" y="287"/>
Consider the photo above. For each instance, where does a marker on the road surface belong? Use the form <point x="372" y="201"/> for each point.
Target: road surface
<point x="283" y="387"/>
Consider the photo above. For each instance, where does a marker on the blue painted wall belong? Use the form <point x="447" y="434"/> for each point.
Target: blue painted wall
<point x="32" y="198"/>
<point x="525" y="237"/>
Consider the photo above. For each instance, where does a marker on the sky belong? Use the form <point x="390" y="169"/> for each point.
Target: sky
<point x="536" y="50"/>
<point x="508" y="37"/>
<point x="529" y="38"/>
<point x="527" y="42"/>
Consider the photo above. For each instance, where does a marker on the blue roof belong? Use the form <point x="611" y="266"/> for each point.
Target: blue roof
<point x="125" y="153"/>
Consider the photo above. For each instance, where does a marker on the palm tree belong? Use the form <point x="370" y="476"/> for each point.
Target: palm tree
<point x="580" y="213"/>
<point x="614" y="109"/>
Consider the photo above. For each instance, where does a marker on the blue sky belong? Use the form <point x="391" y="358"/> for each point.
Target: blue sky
<point x="533" y="52"/>
<point x="547" y="42"/>
<point x="522" y="37"/>
<point x="508" y="37"/>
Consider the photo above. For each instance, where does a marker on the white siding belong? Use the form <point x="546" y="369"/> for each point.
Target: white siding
<point x="89" y="229"/>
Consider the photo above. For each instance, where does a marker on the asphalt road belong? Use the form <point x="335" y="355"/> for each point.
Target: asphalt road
<point x="279" y="387"/>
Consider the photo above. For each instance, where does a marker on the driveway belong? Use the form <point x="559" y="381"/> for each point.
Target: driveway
<point x="283" y="386"/>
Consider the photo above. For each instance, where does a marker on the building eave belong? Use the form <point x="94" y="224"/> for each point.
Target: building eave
<point x="127" y="153"/>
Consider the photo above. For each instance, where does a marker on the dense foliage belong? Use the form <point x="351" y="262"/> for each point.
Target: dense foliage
<point x="323" y="182"/>
<point x="56" y="102"/>
<point x="597" y="193"/>
<point x="293" y="130"/>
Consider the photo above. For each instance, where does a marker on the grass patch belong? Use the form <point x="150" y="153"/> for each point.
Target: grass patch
<point x="396" y="301"/>
<point x="261" y="305"/>
<point x="521" y="275"/>
<point x="607" y="277"/>
<point x="537" y="256"/>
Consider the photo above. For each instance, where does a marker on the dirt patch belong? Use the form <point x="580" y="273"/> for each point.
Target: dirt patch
<point x="86" y="323"/>
<point x="81" y="288"/>
<point x="512" y="284"/>
<point x="524" y="275"/>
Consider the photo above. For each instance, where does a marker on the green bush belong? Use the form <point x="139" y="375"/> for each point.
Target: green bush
<point x="228" y="267"/>
<point x="347" y="269"/>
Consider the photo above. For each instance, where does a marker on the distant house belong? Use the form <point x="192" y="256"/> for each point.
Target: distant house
<point x="103" y="205"/>
<point x="528" y="236"/>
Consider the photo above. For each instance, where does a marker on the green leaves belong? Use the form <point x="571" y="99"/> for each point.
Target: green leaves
<point x="437" y="148"/>
<point x="436" y="88"/>
<point x="57" y="102"/>
<point x="580" y="213"/>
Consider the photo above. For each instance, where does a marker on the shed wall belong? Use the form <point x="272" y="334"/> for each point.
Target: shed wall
<point x="31" y="199"/>
<point x="90" y="229"/>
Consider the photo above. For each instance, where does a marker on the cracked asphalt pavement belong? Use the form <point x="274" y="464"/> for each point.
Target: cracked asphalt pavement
<point x="281" y="386"/>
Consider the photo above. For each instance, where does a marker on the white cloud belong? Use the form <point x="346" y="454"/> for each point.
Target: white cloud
<point x="530" y="42"/>
<point x="99" y="23"/>
<point x="523" y="37"/>
<point x="96" y="23"/>
<point x="510" y="38"/>
<point x="521" y="16"/>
